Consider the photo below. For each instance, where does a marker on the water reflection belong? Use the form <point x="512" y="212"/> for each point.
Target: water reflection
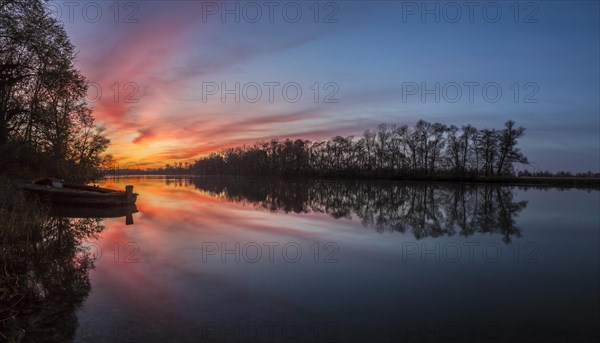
<point x="45" y="279"/>
<point x="423" y="209"/>
<point x="70" y="211"/>
<point x="156" y="282"/>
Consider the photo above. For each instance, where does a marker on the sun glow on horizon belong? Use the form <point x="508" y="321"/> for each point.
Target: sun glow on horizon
<point x="150" y="79"/>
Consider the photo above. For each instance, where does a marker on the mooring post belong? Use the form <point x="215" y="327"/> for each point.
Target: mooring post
<point x="129" y="193"/>
<point x="129" y="210"/>
<point x="129" y="218"/>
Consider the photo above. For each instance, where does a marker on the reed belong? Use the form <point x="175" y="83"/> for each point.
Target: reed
<point x="20" y="218"/>
<point x="20" y="222"/>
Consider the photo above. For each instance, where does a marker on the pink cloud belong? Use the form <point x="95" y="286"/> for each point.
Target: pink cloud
<point x="143" y="69"/>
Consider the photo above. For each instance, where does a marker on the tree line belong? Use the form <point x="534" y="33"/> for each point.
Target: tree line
<point x="423" y="150"/>
<point x="46" y="122"/>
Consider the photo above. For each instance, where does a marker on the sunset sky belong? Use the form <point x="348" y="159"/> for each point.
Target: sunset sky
<point x="167" y="56"/>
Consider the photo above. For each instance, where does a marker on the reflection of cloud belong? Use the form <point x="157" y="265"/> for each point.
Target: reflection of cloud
<point x="171" y="284"/>
<point x="190" y="211"/>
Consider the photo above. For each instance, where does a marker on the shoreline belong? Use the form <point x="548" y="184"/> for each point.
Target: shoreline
<point x="551" y="181"/>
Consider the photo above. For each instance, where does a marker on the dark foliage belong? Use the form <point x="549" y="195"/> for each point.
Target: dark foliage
<point x="423" y="209"/>
<point x="46" y="126"/>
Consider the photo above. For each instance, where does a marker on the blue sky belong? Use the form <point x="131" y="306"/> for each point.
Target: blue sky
<point x="370" y="54"/>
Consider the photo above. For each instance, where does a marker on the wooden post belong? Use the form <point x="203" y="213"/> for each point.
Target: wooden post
<point x="129" y="210"/>
<point x="129" y="218"/>
<point x="129" y="193"/>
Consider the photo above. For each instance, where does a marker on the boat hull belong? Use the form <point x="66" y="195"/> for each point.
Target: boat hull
<point x="82" y="195"/>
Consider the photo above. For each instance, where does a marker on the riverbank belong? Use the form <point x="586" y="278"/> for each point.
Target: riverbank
<point x="553" y="181"/>
<point x="19" y="217"/>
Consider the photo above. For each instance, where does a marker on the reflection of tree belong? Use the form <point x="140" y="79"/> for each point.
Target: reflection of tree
<point x="425" y="210"/>
<point x="43" y="281"/>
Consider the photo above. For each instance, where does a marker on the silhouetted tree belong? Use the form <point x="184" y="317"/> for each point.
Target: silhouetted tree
<point x="487" y="142"/>
<point x="508" y="152"/>
<point x="43" y="109"/>
<point x="391" y="151"/>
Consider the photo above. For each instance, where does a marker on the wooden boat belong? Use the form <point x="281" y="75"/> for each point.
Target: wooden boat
<point x="59" y="192"/>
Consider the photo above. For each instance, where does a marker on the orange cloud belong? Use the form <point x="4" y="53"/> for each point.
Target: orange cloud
<point x="142" y="76"/>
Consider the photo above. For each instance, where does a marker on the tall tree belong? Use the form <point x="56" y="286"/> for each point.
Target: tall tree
<point x="390" y="151"/>
<point x="508" y="152"/>
<point x="43" y="104"/>
<point x="487" y="142"/>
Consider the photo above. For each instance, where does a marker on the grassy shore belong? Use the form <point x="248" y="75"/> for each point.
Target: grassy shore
<point x="19" y="217"/>
<point x="43" y="268"/>
<point x="20" y="222"/>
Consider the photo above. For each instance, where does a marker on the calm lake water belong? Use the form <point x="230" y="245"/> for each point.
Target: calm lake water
<point x="230" y="260"/>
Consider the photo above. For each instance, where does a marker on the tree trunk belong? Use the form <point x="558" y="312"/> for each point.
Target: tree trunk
<point x="3" y="132"/>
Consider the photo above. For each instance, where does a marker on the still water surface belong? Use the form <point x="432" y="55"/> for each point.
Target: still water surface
<point x="230" y="260"/>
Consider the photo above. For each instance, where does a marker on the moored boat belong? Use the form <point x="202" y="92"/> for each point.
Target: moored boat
<point x="59" y="192"/>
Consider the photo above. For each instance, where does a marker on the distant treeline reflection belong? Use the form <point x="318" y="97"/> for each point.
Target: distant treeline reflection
<point x="423" y="209"/>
